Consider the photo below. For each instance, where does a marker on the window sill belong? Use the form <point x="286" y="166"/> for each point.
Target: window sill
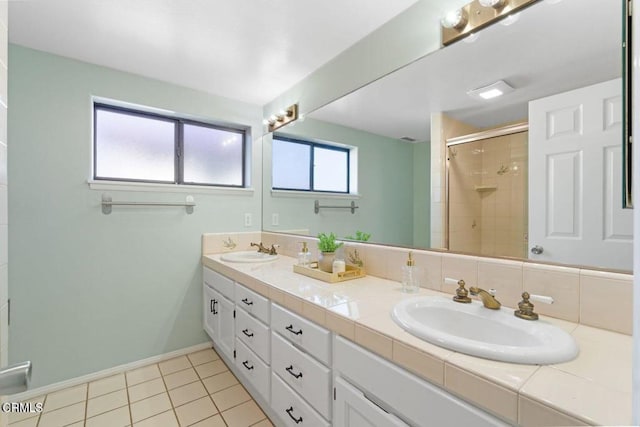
<point x="167" y="188"/>
<point x="313" y="195"/>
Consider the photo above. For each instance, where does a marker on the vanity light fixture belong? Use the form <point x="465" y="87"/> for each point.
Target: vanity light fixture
<point x="477" y="15"/>
<point x="284" y="117"/>
<point x="491" y="91"/>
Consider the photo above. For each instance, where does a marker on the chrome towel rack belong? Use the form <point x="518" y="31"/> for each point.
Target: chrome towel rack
<point x="107" y="203"/>
<point x="317" y="207"/>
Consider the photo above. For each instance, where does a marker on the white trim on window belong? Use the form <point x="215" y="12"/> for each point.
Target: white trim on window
<point x="167" y="188"/>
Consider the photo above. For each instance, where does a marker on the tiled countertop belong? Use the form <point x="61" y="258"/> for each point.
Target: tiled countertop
<point x="594" y="388"/>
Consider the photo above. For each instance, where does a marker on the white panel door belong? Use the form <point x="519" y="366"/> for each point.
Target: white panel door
<point x="210" y="310"/>
<point x="226" y="330"/>
<point x="575" y="173"/>
<point x="352" y="409"/>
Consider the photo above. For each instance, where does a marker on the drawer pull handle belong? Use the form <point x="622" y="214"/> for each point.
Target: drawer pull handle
<point x="247" y="333"/>
<point x="213" y="306"/>
<point x="290" y="329"/>
<point x="247" y="301"/>
<point x="246" y="365"/>
<point x="290" y="370"/>
<point x="297" y="420"/>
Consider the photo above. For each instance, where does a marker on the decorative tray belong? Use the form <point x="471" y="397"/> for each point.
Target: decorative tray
<point x="351" y="272"/>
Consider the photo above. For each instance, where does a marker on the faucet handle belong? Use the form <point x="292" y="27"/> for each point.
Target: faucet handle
<point x="525" y="308"/>
<point x="541" y="298"/>
<point x="462" y="295"/>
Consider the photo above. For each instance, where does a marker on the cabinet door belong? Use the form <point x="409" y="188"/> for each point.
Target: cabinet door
<point x="211" y="301"/>
<point x="352" y="409"/>
<point x="225" y="335"/>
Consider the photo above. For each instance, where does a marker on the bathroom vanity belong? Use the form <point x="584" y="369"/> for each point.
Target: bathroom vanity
<point x="318" y="354"/>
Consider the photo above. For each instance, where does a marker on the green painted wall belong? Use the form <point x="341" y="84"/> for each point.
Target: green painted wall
<point x="385" y="184"/>
<point x="422" y="195"/>
<point x="91" y="291"/>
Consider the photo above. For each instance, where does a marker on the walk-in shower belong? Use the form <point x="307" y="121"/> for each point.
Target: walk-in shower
<point x="487" y="206"/>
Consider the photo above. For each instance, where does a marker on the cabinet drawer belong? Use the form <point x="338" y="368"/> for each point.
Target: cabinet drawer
<point x="292" y="410"/>
<point x="253" y="303"/>
<point x="253" y="369"/>
<point x="304" y="374"/>
<point x="403" y="394"/>
<point x="353" y="408"/>
<point x="312" y="338"/>
<point x="217" y="281"/>
<point x="253" y="333"/>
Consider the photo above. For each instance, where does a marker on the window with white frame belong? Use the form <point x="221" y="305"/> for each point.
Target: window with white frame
<point x="137" y="146"/>
<point x="309" y="166"/>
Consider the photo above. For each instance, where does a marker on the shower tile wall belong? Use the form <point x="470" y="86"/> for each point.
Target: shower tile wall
<point x="488" y="196"/>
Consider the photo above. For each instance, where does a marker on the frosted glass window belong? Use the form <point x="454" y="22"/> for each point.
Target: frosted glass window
<point x="291" y="165"/>
<point x="309" y="166"/>
<point x="213" y="156"/>
<point x="135" y="145"/>
<point x="132" y="147"/>
<point x="330" y="170"/>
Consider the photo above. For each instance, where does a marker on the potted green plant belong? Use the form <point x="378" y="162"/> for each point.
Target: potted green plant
<point x="361" y="236"/>
<point x="328" y="245"/>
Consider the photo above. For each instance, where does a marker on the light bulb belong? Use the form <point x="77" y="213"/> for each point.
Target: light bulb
<point x="496" y="4"/>
<point x="455" y="19"/>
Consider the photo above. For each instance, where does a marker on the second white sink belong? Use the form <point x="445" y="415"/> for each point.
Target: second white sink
<point x="478" y="331"/>
<point x="248" y="256"/>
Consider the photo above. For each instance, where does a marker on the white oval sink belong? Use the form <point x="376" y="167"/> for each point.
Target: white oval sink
<point x="248" y="256"/>
<point x="478" y="331"/>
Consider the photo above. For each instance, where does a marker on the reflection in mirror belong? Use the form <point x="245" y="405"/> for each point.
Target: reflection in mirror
<point x="424" y="156"/>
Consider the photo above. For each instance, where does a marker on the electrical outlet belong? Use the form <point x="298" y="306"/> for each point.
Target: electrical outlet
<point x="247" y="220"/>
<point x="275" y="219"/>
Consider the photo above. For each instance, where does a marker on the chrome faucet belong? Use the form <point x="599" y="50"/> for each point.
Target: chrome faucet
<point x="488" y="300"/>
<point x="262" y="249"/>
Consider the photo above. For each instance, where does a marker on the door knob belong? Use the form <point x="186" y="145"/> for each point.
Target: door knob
<point x="537" y="250"/>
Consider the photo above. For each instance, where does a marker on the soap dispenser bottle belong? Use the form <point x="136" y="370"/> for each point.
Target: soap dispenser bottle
<point x="410" y="276"/>
<point x="304" y="257"/>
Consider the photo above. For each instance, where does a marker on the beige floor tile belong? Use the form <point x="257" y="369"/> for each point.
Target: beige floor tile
<point x="165" y="419"/>
<point x="65" y="397"/>
<point x="63" y="416"/>
<point x="106" y="385"/>
<point x="203" y="356"/>
<point x="14" y="417"/>
<point x="195" y="411"/>
<point x="174" y="365"/>
<point x="78" y="424"/>
<point x="146" y="389"/>
<point x="117" y="418"/>
<point x="230" y="397"/>
<point x="215" y="421"/>
<point x="211" y="368"/>
<point x="263" y="423"/>
<point x="29" y="422"/>
<point x="187" y="393"/>
<point x="143" y="374"/>
<point x="243" y="415"/>
<point x="219" y="382"/>
<point x="106" y="403"/>
<point x="180" y="378"/>
<point x="149" y="407"/>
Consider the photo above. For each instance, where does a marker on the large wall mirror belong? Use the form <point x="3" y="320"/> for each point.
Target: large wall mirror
<point x="535" y="173"/>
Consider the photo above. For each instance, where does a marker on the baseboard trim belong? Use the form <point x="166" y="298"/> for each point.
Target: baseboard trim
<point x="30" y="394"/>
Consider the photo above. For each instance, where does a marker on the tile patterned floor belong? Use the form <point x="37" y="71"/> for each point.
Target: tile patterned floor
<point x="193" y="390"/>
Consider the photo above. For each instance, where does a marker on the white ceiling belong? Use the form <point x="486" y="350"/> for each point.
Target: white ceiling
<point x="249" y="50"/>
<point x="555" y="46"/>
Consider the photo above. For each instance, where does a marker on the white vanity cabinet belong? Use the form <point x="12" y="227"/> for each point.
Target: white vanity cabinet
<point x="304" y="375"/>
<point x="219" y="310"/>
<point x="301" y="373"/>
